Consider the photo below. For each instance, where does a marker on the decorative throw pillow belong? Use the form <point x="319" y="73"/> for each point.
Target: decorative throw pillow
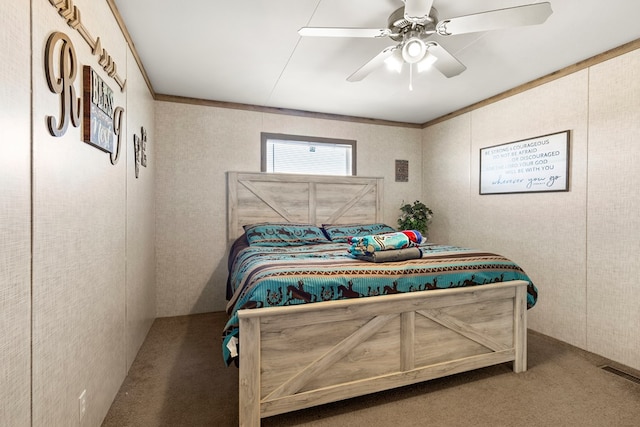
<point x="340" y="233"/>
<point x="284" y="234"/>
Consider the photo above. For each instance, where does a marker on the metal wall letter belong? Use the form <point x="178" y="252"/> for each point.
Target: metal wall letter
<point x="62" y="84"/>
<point x="143" y="147"/>
<point x="136" y="153"/>
<point x="117" y="129"/>
<point x="140" y="150"/>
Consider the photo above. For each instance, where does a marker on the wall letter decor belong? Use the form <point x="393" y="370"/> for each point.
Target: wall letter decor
<point x="71" y="14"/>
<point x="140" y="150"/>
<point x="62" y="84"/>
<point x="117" y="129"/>
<point x="143" y="148"/>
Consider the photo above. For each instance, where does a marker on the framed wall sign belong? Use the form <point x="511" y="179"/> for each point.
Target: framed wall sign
<point x="98" y="111"/>
<point x="402" y="170"/>
<point x="528" y="166"/>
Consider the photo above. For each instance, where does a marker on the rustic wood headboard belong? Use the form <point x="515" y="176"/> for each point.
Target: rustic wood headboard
<point x="254" y="197"/>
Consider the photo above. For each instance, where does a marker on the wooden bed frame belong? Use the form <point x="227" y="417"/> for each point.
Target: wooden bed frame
<point x="306" y="355"/>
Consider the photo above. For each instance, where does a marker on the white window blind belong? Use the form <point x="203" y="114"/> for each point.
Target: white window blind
<point x="309" y="157"/>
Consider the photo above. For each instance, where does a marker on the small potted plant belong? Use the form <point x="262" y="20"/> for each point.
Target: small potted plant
<point x="416" y="216"/>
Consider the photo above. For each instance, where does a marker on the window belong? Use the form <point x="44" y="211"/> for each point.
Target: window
<point x="305" y="154"/>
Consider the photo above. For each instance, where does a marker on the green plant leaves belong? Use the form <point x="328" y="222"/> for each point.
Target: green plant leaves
<point x="416" y="216"/>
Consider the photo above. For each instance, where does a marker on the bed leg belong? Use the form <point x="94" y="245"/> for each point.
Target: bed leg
<point x="520" y="329"/>
<point x="249" y="375"/>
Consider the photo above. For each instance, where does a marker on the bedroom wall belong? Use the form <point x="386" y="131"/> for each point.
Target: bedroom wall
<point x="77" y="258"/>
<point x="613" y="203"/>
<point x="579" y="247"/>
<point x="140" y="257"/>
<point x="198" y="144"/>
<point x="15" y="208"/>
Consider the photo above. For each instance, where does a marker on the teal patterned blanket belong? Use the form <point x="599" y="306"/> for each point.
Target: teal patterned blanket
<point x="280" y="276"/>
<point x="370" y="244"/>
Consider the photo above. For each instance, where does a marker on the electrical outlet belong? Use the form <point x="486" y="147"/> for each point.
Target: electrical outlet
<point x="82" y="404"/>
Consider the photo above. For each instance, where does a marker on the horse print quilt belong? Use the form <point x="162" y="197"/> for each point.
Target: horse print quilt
<point x="262" y="276"/>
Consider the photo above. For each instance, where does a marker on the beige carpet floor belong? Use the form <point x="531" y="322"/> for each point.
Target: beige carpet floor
<point x="179" y="379"/>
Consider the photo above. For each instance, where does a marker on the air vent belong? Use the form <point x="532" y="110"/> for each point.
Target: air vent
<point x="620" y="373"/>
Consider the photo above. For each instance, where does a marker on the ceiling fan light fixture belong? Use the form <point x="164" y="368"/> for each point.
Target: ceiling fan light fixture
<point x="394" y="63"/>
<point x="425" y="63"/>
<point x="413" y="50"/>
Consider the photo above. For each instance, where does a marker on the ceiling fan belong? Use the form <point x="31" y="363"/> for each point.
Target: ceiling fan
<point x="413" y="24"/>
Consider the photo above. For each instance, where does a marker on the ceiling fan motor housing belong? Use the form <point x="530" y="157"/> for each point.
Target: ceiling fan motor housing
<point x="400" y="26"/>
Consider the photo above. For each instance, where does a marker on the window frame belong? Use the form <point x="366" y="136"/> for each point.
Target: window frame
<point x="265" y="136"/>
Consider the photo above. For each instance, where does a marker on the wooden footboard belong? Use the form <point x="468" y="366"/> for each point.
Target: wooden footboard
<point x="306" y="355"/>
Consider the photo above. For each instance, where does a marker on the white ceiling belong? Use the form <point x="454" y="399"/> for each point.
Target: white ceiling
<point x="249" y="52"/>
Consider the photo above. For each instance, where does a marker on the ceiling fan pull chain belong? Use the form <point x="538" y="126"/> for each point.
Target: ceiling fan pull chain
<point x="410" y="76"/>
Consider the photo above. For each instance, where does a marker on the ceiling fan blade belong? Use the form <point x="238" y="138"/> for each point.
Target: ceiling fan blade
<point x="343" y="32"/>
<point x="496" y="19"/>
<point x="417" y="10"/>
<point x="374" y="63"/>
<point x="446" y="63"/>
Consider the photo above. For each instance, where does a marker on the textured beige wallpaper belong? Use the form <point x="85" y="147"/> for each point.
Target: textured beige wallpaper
<point x="15" y="233"/>
<point x="197" y="145"/>
<point x="544" y="232"/>
<point x="140" y="254"/>
<point x="78" y="247"/>
<point x="446" y="179"/>
<point x="93" y="236"/>
<point x="579" y="247"/>
<point x="613" y="238"/>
